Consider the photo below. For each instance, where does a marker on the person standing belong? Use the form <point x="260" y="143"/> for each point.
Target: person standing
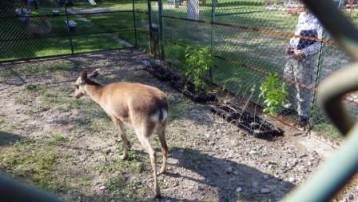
<point x="299" y="70"/>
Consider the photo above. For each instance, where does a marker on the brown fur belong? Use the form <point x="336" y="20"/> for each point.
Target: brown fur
<point x="141" y="106"/>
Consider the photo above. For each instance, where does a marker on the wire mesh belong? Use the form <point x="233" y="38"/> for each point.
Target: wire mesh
<point x="54" y="27"/>
<point x="248" y="40"/>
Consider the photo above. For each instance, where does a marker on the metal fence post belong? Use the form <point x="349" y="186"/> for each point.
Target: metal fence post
<point x="134" y="24"/>
<point x="150" y="27"/>
<point x="161" y="34"/>
<point x="213" y="6"/>
<point x="68" y="30"/>
<point x="319" y="67"/>
<point x="149" y="15"/>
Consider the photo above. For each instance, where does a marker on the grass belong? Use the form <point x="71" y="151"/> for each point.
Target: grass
<point x="118" y="184"/>
<point x="322" y="125"/>
<point x="47" y="161"/>
<point x="55" y="158"/>
<point x="47" y="98"/>
<point x="176" y="108"/>
<point x="60" y="40"/>
<point x="327" y="129"/>
<point x="114" y="5"/>
<point x="89" y="37"/>
<point x="115" y="183"/>
<point x="135" y="163"/>
<point x="34" y="48"/>
<point x="44" y="163"/>
<point x="58" y="139"/>
<point x="44" y="69"/>
<point x="30" y="160"/>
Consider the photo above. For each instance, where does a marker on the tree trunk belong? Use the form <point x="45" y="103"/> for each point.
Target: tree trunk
<point x="193" y="9"/>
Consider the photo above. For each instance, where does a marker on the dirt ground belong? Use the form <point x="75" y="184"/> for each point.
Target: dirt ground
<point x="71" y="148"/>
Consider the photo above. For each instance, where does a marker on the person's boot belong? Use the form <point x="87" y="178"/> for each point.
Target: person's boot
<point x="287" y="110"/>
<point x="303" y="121"/>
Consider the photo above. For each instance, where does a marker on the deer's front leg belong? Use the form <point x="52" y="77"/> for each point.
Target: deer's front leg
<point x="125" y="144"/>
<point x="122" y="134"/>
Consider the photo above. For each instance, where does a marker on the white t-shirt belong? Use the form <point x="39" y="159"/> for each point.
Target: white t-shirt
<point x="307" y="21"/>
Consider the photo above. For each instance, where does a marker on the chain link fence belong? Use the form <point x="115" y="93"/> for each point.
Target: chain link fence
<point x="40" y="28"/>
<point x="246" y="38"/>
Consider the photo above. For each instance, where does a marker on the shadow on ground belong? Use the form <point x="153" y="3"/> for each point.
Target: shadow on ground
<point x="233" y="181"/>
<point x="8" y="138"/>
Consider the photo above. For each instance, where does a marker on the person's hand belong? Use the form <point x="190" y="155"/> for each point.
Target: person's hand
<point x="289" y="51"/>
<point x="298" y="54"/>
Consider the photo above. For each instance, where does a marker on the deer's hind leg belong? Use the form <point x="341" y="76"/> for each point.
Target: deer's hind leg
<point x="161" y="133"/>
<point x="144" y="131"/>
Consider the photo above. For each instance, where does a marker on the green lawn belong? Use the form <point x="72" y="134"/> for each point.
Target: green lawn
<point x="93" y="33"/>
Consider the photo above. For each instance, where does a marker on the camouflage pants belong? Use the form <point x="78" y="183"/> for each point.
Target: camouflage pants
<point x="299" y="76"/>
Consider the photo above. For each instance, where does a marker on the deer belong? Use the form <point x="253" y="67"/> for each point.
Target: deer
<point x="141" y="107"/>
<point x="43" y="28"/>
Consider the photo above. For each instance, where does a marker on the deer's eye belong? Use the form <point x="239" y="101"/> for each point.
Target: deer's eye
<point x="77" y="86"/>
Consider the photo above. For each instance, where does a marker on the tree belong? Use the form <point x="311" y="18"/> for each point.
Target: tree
<point x="193" y="9"/>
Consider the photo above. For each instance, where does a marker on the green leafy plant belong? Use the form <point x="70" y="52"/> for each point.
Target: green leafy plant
<point x="198" y="61"/>
<point x="274" y="93"/>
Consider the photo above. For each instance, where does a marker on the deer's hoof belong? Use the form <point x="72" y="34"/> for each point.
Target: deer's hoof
<point x="163" y="171"/>
<point x="129" y="145"/>
<point x="157" y="196"/>
<point x="124" y="157"/>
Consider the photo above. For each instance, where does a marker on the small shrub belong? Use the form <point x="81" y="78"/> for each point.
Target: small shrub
<point x="274" y="93"/>
<point x="198" y="61"/>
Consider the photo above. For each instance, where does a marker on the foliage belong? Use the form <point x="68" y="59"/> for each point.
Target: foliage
<point x="274" y="93"/>
<point x="198" y="61"/>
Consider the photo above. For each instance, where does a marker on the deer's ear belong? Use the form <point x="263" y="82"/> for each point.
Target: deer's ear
<point x="94" y="74"/>
<point x="84" y="75"/>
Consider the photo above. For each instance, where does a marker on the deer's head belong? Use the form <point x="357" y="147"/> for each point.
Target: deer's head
<point x="82" y="80"/>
